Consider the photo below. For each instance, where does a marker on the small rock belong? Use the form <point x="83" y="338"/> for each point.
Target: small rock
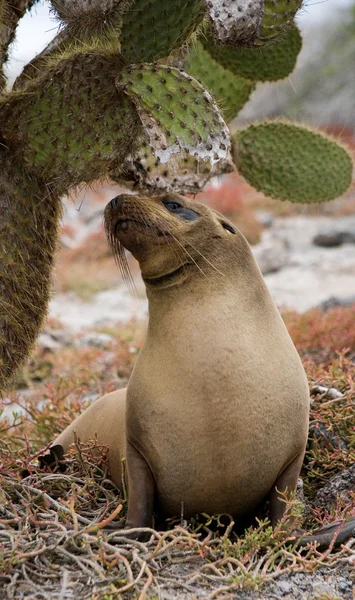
<point x="265" y="218"/>
<point x="285" y="587"/>
<point x="47" y="342"/>
<point x="300" y="491"/>
<point x="329" y="393"/>
<point x="98" y="340"/>
<point x="332" y="239"/>
<point x="343" y="585"/>
<point x="334" y="302"/>
<point x="272" y="254"/>
<point x="348" y="237"/>
<point x="338" y="486"/>
<point x="323" y="590"/>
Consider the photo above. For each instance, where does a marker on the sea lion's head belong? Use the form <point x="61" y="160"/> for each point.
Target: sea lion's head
<point x="171" y="236"/>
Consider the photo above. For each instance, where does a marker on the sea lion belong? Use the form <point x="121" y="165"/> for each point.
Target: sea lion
<point x="216" y="418"/>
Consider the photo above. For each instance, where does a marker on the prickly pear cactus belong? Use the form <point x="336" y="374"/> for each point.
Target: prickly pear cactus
<point x="138" y="90"/>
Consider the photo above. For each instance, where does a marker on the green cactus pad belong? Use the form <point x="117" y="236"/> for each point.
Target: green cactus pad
<point x="72" y="124"/>
<point x="278" y="16"/>
<point x="29" y="223"/>
<point x="267" y="63"/>
<point x="178" y="115"/>
<point x="152" y="29"/>
<point x="290" y="162"/>
<point x="230" y="91"/>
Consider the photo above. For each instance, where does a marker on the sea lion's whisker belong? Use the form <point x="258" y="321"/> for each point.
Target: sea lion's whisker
<point x="188" y="254"/>
<point x="202" y="256"/>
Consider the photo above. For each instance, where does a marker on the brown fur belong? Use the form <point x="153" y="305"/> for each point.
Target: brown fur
<point x="218" y="403"/>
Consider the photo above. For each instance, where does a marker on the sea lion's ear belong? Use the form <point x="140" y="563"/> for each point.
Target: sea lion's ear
<point x="228" y="227"/>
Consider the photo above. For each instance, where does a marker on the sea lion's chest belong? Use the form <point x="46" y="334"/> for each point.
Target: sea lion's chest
<point x="209" y="401"/>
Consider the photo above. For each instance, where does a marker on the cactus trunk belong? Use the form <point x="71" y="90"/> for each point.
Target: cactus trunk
<point x="28" y="233"/>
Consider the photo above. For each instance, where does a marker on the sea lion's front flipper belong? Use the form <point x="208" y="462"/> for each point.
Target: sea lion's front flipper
<point x="338" y="533"/>
<point x="141" y="489"/>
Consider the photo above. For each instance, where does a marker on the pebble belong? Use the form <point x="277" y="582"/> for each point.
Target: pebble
<point x="332" y="239"/>
<point x="285" y="587"/>
<point x="98" y="340"/>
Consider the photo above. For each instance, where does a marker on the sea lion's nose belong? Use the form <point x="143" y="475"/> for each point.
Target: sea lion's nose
<point x="115" y="201"/>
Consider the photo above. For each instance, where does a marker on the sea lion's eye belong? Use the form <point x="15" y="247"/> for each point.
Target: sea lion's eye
<point x="180" y="211"/>
<point x="172" y="206"/>
<point x="228" y="227"/>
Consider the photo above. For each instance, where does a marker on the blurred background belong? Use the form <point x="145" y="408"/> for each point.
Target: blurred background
<point x="307" y="254"/>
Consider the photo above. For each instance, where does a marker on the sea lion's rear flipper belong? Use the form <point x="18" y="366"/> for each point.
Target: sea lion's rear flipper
<point x="50" y="460"/>
<point x="53" y="458"/>
<point x="338" y="533"/>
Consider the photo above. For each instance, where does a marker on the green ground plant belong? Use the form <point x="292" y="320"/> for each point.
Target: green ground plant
<point x="140" y="92"/>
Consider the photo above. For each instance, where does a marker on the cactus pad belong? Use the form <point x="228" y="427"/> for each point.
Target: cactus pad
<point x="151" y="29"/>
<point x="72" y="124"/>
<point x="245" y="23"/>
<point x="230" y="91"/>
<point x="290" y="162"/>
<point x="278" y="16"/>
<point x="235" y="23"/>
<point x="178" y="115"/>
<point x="144" y="173"/>
<point x="267" y="63"/>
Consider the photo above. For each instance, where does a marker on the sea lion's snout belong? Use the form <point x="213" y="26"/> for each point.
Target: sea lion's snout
<point x="168" y="234"/>
<point x="114" y="202"/>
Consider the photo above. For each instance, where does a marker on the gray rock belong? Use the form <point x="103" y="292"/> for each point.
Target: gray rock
<point x="265" y="218"/>
<point x="330" y="393"/>
<point x="272" y="254"/>
<point x="285" y="587"/>
<point x="332" y="239"/>
<point x="338" y="486"/>
<point x="334" y="302"/>
<point x="54" y="339"/>
<point x="98" y="340"/>
<point x="47" y="342"/>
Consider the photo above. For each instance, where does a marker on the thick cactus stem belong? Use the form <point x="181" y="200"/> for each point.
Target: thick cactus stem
<point x="29" y="222"/>
<point x="230" y="91"/>
<point x="89" y="17"/>
<point x="290" y="162"/>
<point x="11" y="12"/>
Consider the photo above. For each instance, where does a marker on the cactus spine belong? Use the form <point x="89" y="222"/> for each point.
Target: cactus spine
<point x="30" y="216"/>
